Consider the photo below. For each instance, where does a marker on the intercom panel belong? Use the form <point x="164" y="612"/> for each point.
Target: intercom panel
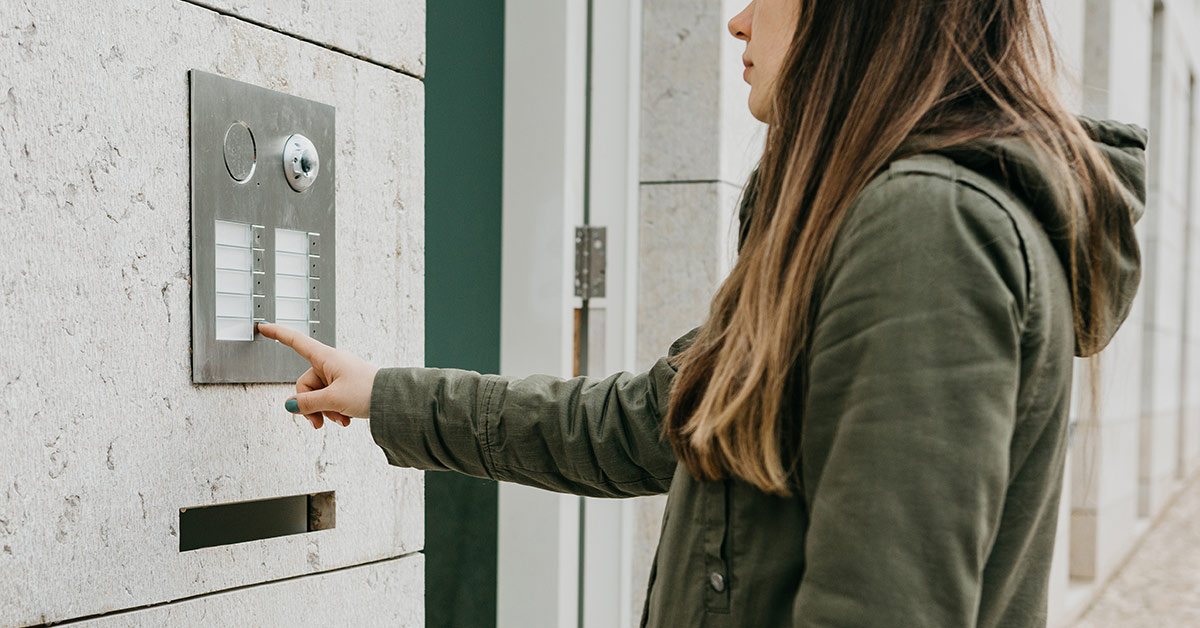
<point x="263" y="218"/>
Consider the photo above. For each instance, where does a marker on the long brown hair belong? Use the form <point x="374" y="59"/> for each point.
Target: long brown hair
<point x="861" y="78"/>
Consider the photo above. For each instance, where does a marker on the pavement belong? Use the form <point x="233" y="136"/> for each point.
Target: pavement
<point x="1160" y="585"/>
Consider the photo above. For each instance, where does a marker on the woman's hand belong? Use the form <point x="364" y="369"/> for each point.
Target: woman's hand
<point x="337" y="387"/>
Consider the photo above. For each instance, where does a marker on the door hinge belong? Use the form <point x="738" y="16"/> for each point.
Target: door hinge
<point x="591" y="251"/>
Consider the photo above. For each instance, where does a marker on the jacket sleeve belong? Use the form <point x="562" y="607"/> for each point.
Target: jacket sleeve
<point x="586" y="436"/>
<point x="911" y="405"/>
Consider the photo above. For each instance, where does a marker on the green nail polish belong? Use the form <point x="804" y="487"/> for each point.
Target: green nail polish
<point x="292" y="406"/>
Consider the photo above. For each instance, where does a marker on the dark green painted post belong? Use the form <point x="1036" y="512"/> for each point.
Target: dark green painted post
<point x="464" y="121"/>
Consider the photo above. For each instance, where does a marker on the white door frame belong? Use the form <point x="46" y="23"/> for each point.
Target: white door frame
<point x="545" y="120"/>
<point x="614" y="190"/>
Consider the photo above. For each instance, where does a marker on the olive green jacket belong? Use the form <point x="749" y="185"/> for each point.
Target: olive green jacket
<point x="934" y="427"/>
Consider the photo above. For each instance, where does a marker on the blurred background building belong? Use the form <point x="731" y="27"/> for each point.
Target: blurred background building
<point x="1138" y="62"/>
<point x="474" y="137"/>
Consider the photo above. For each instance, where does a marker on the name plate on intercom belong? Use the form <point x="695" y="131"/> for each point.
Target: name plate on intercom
<point x="263" y="245"/>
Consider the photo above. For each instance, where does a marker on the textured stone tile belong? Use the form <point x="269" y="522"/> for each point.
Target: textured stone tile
<point x="1116" y="55"/>
<point x="386" y="594"/>
<point x="686" y="245"/>
<point x="1131" y="33"/>
<point x="1158" y="457"/>
<point x="1166" y="360"/>
<point x="1120" y="370"/>
<point x="1066" y="18"/>
<point x="1119" y="460"/>
<point x="681" y="78"/>
<point x="1105" y="463"/>
<point x="1192" y="321"/>
<point x="695" y="122"/>
<point x="1160" y="585"/>
<point x="1117" y="528"/>
<point x="391" y="32"/>
<point x="1163" y="281"/>
<point x="1191" y="429"/>
<point x="1060" y="568"/>
<point x="106" y="437"/>
<point x="1104" y="491"/>
<point x="1165" y="458"/>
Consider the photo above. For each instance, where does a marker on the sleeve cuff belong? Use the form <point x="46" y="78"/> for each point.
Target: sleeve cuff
<point x="387" y="402"/>
<point x="437" y="419"/>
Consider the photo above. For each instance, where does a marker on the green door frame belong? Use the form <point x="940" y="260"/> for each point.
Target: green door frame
<point x="464" y="121"/>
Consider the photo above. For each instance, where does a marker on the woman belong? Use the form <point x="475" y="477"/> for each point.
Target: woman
<point x="869" y="429"/>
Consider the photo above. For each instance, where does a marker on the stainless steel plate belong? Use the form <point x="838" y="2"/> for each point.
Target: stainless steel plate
<point x="264" y="199"/>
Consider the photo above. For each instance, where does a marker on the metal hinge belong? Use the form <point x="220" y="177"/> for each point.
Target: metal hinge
<point x="591" y="251"/>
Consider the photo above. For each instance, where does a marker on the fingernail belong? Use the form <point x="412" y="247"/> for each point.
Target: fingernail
<point x="292" y="406"/>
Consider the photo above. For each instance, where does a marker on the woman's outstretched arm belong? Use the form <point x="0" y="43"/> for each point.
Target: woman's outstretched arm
<point x="587" y="436"/>
<point x="597" y="437"/>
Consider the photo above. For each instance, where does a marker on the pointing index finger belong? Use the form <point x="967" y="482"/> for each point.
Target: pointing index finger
<point x="307" y="347"/>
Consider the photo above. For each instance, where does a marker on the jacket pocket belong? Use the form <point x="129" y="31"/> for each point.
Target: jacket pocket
<point x="715" y="520"/>
<point x="649" y="590"/>
<point x="662" y="531"/>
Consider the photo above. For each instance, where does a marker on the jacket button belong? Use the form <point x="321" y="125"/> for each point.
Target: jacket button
<point x="716" y="581"/>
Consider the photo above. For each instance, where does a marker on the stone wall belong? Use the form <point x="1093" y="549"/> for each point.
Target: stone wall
<point x="106" y="438"/>
<point x="1137" y="61"/>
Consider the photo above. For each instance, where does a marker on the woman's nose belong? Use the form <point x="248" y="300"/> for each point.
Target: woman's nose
<point x="739" y="26"/>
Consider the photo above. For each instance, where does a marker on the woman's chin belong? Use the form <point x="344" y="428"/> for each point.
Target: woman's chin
<point x="758" y="109"/>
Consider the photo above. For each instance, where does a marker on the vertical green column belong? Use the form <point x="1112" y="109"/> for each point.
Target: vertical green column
<point x="464" y="121"/>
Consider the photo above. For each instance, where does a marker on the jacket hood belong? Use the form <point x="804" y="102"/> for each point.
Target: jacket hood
<point x="1014" y="164"/>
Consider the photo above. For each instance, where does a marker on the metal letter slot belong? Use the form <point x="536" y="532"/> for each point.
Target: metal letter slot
<point x="263" y="166"/>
